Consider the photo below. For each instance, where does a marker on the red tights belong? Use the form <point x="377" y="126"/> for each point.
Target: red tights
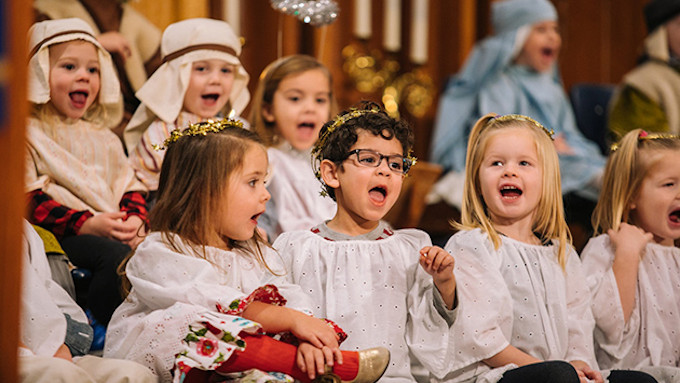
<point x="267" y="354"/>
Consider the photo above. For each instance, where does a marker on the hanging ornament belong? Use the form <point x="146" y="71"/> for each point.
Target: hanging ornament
<point x="315" y="12"/>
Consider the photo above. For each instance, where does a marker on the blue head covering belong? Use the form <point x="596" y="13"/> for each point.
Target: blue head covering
<point x="509" y="16"/>
<point x="489" y="82"/>
<point x="489" y="57"/>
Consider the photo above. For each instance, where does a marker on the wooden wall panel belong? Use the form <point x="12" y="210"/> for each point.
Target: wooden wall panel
<point x="16" y="16"/>
<point x="601" y="41"/>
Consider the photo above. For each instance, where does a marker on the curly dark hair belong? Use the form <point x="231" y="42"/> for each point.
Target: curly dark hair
<point x="338" y="135"/>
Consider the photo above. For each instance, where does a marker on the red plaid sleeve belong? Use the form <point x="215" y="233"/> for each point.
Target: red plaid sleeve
<point x="61" y="220"/>
<point x="133" y="203"/>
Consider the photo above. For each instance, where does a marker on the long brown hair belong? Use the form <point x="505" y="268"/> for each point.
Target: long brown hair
<point x="549" y="222"/>
<point x="191" y="189"/>
<point x="269" y="82"/>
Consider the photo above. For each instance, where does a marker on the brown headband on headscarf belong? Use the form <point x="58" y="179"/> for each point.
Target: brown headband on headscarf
<point x="40" y="44"/>
<point x="183" y="51"/>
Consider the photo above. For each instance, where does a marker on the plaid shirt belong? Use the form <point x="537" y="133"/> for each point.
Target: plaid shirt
<point x="64" y="222"/>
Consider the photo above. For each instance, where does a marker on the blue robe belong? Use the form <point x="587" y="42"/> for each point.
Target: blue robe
<point x="490" y="82"/>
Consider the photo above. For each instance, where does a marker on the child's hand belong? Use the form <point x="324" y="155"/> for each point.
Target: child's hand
<point x="629" y="242"/>
<point x="109" y="225"/>
<point x="585" y="373"/>
<point x="114" y="42"/>
<point x="312" y="360"/>
<point x="136" y="233"/>
<point x="315" y="331"/>
<point x="439" y="263"/>
<point x="64" y="353"/>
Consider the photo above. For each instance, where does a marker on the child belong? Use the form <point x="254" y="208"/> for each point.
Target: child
<point x="633" y="265"/>
<point x="515" y="71"/>
<point x="523" y="298"/>
<point x="356" y="268"/>
<point x="294" y="98"/>
<point x="201" y="78"/>
<point x="79" y="184"/>
<point x="55" y="336"/>
<point x="203" y="268"/>
<point x="132" y="40"/>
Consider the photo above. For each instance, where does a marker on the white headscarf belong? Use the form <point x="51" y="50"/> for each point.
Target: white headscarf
<point x="184" y="43"/>
<point x="46" y="33"/>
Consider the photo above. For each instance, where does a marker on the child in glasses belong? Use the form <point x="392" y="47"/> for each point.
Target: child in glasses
<point x="355" y="267"/>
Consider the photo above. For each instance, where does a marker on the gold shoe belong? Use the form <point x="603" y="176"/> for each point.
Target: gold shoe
<point x="372" y="365"/>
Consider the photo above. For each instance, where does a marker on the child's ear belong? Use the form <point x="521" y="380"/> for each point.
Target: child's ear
<point x="329" y="173"/>
<point x="267" y="113"/>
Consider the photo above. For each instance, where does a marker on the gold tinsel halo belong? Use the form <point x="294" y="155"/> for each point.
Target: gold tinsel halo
<point x="644" y="135"/>
<point x="520" y="117"/>
<point x="338" y="121"/>
<point x="199" y="129"/>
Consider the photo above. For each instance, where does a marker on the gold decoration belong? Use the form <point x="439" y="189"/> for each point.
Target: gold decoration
<point x="519" y="117"/>
<point x="338" y="121"/>
<point x="643" y="135"/>
<point x="374" y="72"/>
<point x="198" y="129"/>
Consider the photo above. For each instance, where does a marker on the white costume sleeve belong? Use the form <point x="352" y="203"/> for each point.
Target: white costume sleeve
<point x="425" y="320"/>
<point x="44" y="302"/>
<point x="163" y="277"/>
<point x="295" y="297"/>
<point x="579" y="315"/>
<point x="485" y="312"/>
<point x="612" y="334"/>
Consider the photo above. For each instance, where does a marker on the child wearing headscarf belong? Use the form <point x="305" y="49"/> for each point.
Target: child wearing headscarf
<point x="515" y="71"/>
<point x="79" y="184"/>
<point x="201" y="78"/>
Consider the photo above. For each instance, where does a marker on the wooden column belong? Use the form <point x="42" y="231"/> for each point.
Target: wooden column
<point x="16" y="16"/>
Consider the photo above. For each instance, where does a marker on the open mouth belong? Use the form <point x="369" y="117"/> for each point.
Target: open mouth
<point x="255" y="217"/>
<point x="210" y="97"/>
<point x="78" y="97"/>
<point x="378" y="194"/>
<point x="674" y="217"/>
<point x="548" y="52"/>
<point x="510" y="191"/>
<point x="306" y="125"/>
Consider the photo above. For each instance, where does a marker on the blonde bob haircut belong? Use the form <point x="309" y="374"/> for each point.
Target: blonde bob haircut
<point x="626" y="168"/>
<point x="269" y="81"/>
<point x="549" y="222"/>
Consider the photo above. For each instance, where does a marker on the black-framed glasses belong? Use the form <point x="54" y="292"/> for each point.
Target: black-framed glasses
<point x="371" y="158"/>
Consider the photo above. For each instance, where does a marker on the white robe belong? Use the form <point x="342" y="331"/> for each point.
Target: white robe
<point x="376" y="291"/>
<point x="296" y="203"/>
<point x="43" y="301"/>
<point x="171" y="289"/>
<point x="652" y="335"/>
<point x="519" y="295"/>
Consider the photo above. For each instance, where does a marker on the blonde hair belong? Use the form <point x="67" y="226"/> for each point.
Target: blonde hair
<point x="626" y="168"/>
<point x="269" y="82"/>
<point x="549" y="222"/>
